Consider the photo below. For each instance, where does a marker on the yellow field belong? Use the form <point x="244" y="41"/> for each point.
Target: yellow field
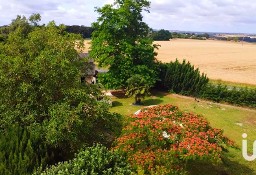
<point x="228" y="61"/>
<point x="220" y="60"/>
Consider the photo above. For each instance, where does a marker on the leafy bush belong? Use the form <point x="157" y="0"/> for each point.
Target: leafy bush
<point x="93" y="160"/>
<point x="162" y="140"/>
<point x="181" y="78"/>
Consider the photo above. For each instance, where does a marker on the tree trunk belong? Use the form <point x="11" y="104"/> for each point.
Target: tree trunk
<point x="137" y="100"/>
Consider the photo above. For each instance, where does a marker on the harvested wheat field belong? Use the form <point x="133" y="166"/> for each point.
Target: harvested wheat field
<point x="227" y="61"/>
<point x="220" y="60"/>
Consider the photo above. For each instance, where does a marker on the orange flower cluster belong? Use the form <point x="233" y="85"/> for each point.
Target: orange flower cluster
<point x="162" y="136"/>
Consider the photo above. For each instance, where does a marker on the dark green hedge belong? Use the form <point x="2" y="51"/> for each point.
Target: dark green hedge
<point x="241" y="96"/>
<point x="181" y="78"/>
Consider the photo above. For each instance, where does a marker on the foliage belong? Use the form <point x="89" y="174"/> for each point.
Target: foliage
<point x="137" y="87"/>
<point x="22" y="24"/>
<point x="41" y="90"/>
<point x="93" y="160"/>
<point x="20" y="154"/>
<point x="221" y="116"/>
<point x="162" y="140"/>
<point x="233" y="95"/>
<point x="181" y="78"/>
<point x="162" y="69"/>
<point x="161" y="35"/>
<point x="86" y="32"/>
<point x="122" y="43"/>
<point x="3" y="33"/>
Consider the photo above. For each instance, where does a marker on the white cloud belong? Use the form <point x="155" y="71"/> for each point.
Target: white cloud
<point x="204" y="15"/>
<point x="200" y="15"/>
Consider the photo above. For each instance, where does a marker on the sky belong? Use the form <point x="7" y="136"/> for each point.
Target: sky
<point x="230" y="16"/>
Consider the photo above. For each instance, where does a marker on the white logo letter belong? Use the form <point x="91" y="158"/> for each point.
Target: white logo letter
<point x="244" y="149"/>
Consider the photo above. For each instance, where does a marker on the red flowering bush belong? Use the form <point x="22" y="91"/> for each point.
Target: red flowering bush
<point x="162" y="140"/>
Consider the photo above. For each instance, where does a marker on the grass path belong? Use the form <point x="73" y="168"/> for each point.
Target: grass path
<point x="233" y="120"/>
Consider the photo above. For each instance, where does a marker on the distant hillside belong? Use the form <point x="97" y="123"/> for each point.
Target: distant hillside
<point x="213" y="35"/>
<point x="236" y="37"/>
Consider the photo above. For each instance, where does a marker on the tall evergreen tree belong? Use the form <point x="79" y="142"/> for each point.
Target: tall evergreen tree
<point x="19" y="152"/>
<point x="182" y="78"/>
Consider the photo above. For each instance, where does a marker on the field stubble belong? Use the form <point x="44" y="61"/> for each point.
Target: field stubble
<point x="220" y="60"/>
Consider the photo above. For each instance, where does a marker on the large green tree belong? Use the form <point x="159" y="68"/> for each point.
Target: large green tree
<point x="162" y="35"/>
<point x="122" y="43"/>
<point x="42" y="93"/>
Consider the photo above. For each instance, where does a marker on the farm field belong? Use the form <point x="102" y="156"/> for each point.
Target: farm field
<point x="220" y="60"/>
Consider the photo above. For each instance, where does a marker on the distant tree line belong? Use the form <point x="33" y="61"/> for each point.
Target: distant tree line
<point x="85" y="31"/>
<point x="166" y="35"/>
<point x="190" y="36"/>
<point x="247" y="39"/>
<point x="156" y="35"/>
<point x="236" y="39"/>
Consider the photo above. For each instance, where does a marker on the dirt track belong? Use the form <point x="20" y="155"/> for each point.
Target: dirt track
<point x="228" y="61"/>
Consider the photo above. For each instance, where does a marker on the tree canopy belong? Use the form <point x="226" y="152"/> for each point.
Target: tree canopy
<point x="162" y="35"/>
<point x="42" y="93"/>
<point x="86" y="32"/>
<point x="122" y="43"/>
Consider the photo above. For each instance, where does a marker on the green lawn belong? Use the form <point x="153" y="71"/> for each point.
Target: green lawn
<point x="233" y="120"/>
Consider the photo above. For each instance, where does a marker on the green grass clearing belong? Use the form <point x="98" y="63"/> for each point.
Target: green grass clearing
<point x="233" y="120"/>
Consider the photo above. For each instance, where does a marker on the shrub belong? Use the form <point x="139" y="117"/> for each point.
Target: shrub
<point x="137" y="87"/>
<point x="234" y="95"/>
<point x="215" y="92"/>
<point x="181" y="78"/>
<point x="20" y="154"/>
<point x="184" y="79"/>
<point x="162" y="140"/>
<point x="93" y="160"/>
